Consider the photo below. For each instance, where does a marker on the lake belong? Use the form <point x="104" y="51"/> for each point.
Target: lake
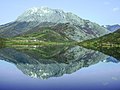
<point x="33" y="67"/>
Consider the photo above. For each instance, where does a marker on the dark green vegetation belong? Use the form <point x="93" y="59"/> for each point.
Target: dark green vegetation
<point x="112" y="51"/>
<point x="109" y="40"/>
<point x="108" y="44"/>
<point x="2" y="42"/>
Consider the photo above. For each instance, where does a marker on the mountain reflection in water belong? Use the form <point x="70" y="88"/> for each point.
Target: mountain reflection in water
<point x="51" y="61"/>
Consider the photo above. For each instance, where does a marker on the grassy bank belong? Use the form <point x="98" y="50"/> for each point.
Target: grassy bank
<point x="35" y="42"/>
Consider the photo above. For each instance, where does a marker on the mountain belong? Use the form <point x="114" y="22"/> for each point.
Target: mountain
<point x="51" y="61"/>
<point x="112" y="28"/>
<point x="111" y="59"/>
<point x="69" y="24"/>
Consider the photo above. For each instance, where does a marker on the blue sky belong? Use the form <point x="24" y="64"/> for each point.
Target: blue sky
<point x="99" y="11"/>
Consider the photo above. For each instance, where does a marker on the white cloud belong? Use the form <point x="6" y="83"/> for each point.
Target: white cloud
<point x="116" y="9"/>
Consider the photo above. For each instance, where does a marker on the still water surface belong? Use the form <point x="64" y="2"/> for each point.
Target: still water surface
<point x="57" y="68"/>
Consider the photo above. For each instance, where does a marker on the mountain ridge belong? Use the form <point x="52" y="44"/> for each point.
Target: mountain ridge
<point x="78" y="28"/>
<point x="112" y="28"/>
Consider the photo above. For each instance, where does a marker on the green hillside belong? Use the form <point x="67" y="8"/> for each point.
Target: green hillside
<point x="109" y="40"/>
<point x="45" y="36"/>
<point x="108" y="44"/>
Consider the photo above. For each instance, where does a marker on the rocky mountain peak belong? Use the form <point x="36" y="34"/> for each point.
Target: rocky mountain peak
<point x="42" y="14"/>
